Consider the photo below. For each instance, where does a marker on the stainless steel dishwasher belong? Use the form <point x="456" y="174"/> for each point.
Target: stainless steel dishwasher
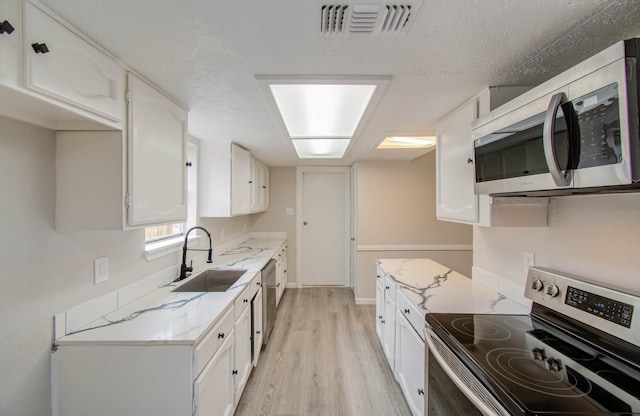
<point x="268" y="299"/>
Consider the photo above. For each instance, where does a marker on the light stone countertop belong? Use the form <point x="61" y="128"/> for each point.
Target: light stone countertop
<point x="166" y="317"/>
<point x="435" y="288"/>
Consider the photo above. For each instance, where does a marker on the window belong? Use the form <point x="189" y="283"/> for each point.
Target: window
<point x="172" y="231"/>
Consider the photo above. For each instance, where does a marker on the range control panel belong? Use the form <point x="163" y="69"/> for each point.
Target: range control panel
<point x="600" y="306"/>
<point x="607" y="309"/>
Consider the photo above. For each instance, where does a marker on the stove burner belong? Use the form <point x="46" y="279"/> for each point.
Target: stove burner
<point x="518" y="366"/>
<point x="478" y="328"/>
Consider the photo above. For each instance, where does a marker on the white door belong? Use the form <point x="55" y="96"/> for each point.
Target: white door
<point x="353" y="244"/>
<point x="324" y="226"/>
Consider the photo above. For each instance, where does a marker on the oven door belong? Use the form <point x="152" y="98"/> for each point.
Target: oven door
<point x="451" y="388"/>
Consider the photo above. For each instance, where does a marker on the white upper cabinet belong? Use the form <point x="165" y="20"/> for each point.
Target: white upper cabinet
<point x="231" y="181"/>
<point x="456" y="199"/>
<point x="240" y="180"/>
<point x="113" y="180"/>
<point x="10" y="29"/>
<point x="157" y="156"/>
<point x="62" y="65"/>
<point x="455" y="196"/>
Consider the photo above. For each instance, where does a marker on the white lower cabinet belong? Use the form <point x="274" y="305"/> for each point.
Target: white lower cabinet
<point x="389" y="322"/>
<point x="242" y="349"/>
<point x="386" y="315"/>
<point x="409" y="366"/>
<point x="162" y="379"/>
<point x="379" y="306"/>
<point x="398" y="326"/>
<point x="257" y="327"/>
<point x="213" y="391"/>
<point x="281" y="272"/>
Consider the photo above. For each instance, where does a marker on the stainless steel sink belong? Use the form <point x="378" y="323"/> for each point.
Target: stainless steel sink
<point x="211" y="281"/>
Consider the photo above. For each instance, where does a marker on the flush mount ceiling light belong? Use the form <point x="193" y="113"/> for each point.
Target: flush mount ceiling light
<point x="322" y="113"/>
<point x="407" y="142"/>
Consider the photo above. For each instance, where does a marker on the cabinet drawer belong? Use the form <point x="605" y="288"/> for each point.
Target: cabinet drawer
<point x="414" y="315"/>
<point x="203" y="352"/>
<point x="390" y="287"/>
<point x="242" y="301"/>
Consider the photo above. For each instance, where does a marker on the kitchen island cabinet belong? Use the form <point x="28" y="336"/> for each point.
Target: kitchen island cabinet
<point x="417" y="287"/>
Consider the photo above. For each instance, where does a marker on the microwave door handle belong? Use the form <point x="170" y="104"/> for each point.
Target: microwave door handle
<point x="548" y="140"/>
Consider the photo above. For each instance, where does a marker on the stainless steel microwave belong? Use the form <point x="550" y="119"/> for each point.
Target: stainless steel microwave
<point x="577" y="132"/>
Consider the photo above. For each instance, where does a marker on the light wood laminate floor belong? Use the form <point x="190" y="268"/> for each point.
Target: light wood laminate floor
<point x="323" y="359"/>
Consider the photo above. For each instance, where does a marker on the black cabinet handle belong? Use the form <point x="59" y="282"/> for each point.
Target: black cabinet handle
<point x="189" y="164"/>
<point x="387" y="287"/>
<point x="420" y="392"/>
<point x="382" y="321"/>
<point x="258" y="332"/>
<point x="469" y="161"/>
<point x="379" y="316"/>
<point x="245" y="300"/>
<point x="234" y="372"/>
<point x="40" y="48"/>
<point x="5" y="27"/>
<point x="221" y="335"/>
<point x="406" y="311"/>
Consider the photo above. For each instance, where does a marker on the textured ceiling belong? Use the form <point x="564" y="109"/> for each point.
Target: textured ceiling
<point x="206" y="53"/>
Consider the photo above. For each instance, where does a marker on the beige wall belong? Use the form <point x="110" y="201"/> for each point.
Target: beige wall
<point x="596" y="237"/>
<point x="44" y="271"/>
<point x="396" y="206"/>
<point x="282" y="195"/>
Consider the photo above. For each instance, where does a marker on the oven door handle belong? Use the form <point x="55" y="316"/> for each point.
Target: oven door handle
<point x="454" y="377"/>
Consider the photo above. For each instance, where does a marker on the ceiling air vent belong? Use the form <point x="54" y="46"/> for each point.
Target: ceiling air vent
<point x="375" y="17"/>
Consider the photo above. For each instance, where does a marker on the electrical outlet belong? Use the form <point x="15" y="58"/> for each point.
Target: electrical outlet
<point x="100" y="270"/>
<point x="288" y="211"/>
<point x="529" y="261"/>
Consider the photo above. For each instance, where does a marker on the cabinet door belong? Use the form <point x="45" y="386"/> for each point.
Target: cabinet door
<point x="264" y="187"/>
<point x="410" y="364"/>
<point x="455" y="195"/>
<point x="9" y="42"/>
<point x="240" y="178"/>
<point x="70" y="69"/>
<point x="279" y="272"/>
<point x="157" y="156"/>
<point x="213" y="390"/>
<point x="243" y="363"/>
<point x="380" y="310"/>
<point x="257" y="327"/>
<point x="389" y="322"/>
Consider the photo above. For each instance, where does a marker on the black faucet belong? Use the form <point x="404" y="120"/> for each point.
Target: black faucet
<point x="184" y="269"/>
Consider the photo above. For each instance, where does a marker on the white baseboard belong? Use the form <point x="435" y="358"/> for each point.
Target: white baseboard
<point x="365" y="301"/>
<point x="291" y="285"/>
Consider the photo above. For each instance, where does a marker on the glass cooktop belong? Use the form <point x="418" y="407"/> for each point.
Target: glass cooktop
<point x="536" y="369"/>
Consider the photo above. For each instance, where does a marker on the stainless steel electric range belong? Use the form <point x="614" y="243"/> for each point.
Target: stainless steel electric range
<point x="576" y="353"/>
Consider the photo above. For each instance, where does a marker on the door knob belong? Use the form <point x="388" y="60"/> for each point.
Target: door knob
<point x="305" y="223"/>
